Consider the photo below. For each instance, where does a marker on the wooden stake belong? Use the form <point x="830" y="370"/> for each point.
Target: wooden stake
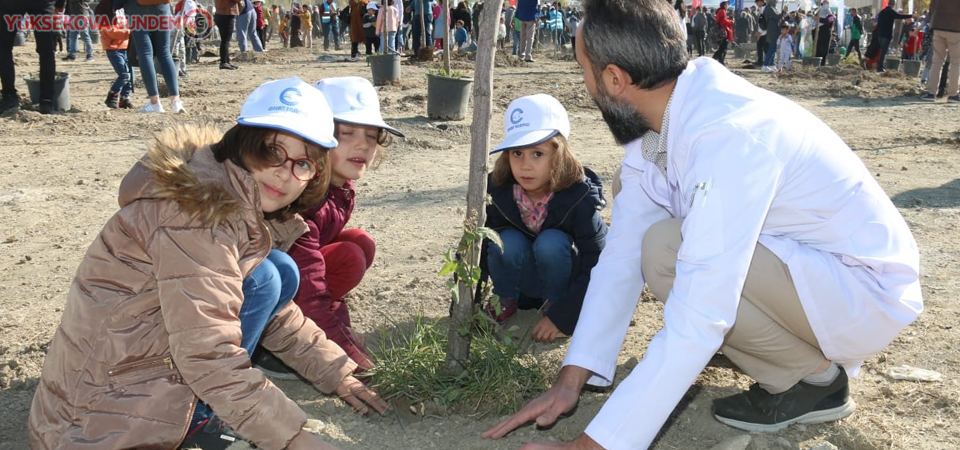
<point x="458" y="345"/>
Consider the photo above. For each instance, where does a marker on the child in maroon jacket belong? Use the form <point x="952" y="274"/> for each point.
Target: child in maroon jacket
<point x="333" y="260"/>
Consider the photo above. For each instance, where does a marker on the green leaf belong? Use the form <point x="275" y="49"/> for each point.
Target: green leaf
<point x="489" y="233"/>
<point x="448" y="267"/>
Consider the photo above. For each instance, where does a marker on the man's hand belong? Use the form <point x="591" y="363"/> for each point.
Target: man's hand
<point x="358" y="395"/>
<point x="560" y="398"/>
<point x="545" y="331"/>
<point x="582" y="442"/>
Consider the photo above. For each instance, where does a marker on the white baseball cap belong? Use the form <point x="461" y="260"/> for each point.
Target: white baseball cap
<point x="293" y="106"/>
<point x="354" y="100"/>
<point x="531" y="120"/>
<point x="373" y="6"/>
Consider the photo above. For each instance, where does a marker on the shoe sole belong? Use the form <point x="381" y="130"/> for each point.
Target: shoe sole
<point x="288" y="376"/>
<point x="812" y="417"/>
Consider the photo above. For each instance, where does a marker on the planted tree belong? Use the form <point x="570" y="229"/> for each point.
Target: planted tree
<point x="462" y="312"/>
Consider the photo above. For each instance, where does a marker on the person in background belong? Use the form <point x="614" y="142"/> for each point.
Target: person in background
<point x="699" y="25"/>
<point x="78" y="8"/>
<point x="371" y="40"/>
<point x="261" y="23"/>
<point x="388" y="22"/>
<point x="785" y="46"/>
<point x="153" y="47"/>
<point x="114" y="40"/>
<point x="45" y="41"/>
<point x="306" y="24"/>
<point x="945" y="26"/>
<point x="726" y="25"/>
<point x="225" y="19"/>
<point x="856" y="33"/>
<point x="247" y="31"/>
<point x="329" y="22"/>
<point x="885" y="21"/>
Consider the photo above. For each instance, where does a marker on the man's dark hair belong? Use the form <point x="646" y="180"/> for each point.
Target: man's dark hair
<point x="642" y="37"/>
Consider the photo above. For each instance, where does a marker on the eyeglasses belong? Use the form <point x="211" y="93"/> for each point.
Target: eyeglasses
<point x="302" y="169"/>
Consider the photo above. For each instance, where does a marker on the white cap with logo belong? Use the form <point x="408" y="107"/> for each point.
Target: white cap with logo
<point x="531" y="120"/>
<point x="354" y="100"/>
<point x="293" y="106"/>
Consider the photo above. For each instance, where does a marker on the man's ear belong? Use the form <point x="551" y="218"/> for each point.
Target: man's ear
<point x="615" y="80"/>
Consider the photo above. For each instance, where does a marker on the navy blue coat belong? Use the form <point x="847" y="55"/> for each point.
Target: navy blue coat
<point x="575" y="211"/>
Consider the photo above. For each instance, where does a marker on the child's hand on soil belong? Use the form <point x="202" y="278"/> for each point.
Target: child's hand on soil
<point x="545" y="331"/>
<point x="358" y="395"/>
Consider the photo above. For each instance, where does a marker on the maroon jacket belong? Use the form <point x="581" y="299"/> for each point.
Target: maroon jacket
<point x="326" y="222"/>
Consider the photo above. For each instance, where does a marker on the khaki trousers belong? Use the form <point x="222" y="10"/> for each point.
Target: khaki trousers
<point x="945" y="42"/>
<point x="771" y="340"/>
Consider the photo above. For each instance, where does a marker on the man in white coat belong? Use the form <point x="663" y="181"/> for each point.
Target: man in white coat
<point x="765" y="236"/>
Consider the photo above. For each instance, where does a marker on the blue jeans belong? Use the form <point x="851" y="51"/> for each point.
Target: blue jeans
<point x="124" y="82"/>
<point x="769" y="57"/>
<point x="391" y="42"/>
<point x="72" y="42"/>
<point x="538" y="268"/>
<point x="247" y="29"/>
<point x="416" y="29"/>
<point x="265" y="292"/>
<point x="884" y="48"/>
<point x="331" y="28"/>
<point x="516" y="41"/>
<point x="155" y="42"/>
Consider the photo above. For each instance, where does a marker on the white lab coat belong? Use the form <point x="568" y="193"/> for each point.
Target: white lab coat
<point x="744" y="166"/>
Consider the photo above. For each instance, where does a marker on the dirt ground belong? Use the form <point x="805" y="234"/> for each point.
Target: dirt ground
<point x="59" y="185"/>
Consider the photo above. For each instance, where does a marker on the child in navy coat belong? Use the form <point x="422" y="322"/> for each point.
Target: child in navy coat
<point x="545" y="206"/>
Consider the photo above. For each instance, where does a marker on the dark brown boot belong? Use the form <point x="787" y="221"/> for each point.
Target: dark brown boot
<point x="113" y="100"/>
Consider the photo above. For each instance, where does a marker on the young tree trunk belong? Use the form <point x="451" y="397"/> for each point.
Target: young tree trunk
<point x="458" y="345"/>
<point x="446" y="37"/>
<point x="423" y="24"/>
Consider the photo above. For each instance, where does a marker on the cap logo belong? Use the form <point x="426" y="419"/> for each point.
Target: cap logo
<point x="516" y="116"/>
<point x="290" y="96"/>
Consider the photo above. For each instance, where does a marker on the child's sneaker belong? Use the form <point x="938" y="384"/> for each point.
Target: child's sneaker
<point x="125" y="103"/>
<point x="508" y="307"/>
<point x="211" y="434"/>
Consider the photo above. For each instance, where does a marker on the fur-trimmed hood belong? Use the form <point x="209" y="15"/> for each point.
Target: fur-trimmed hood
<point x="179" y="165"/>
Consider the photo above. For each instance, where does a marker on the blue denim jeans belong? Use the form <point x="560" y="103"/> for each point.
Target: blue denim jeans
<point x="331" y="29"/>
<point x="124" y="83"/>
<point x="884" y="48"/>
<point x="267" y="290"/>
<point x="417" y="29"/>
<point x="155" y="42"/>
<point x="770" y="56"/>
<point x="72" y="42"/>
<point x="391" y="42"/>
<point x="247" y="29"/>
<point x="516" y="41"/>
<point x="538" y="268"/>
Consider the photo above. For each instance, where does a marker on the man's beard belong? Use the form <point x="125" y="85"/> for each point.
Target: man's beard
<point x="626" y="124"/>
